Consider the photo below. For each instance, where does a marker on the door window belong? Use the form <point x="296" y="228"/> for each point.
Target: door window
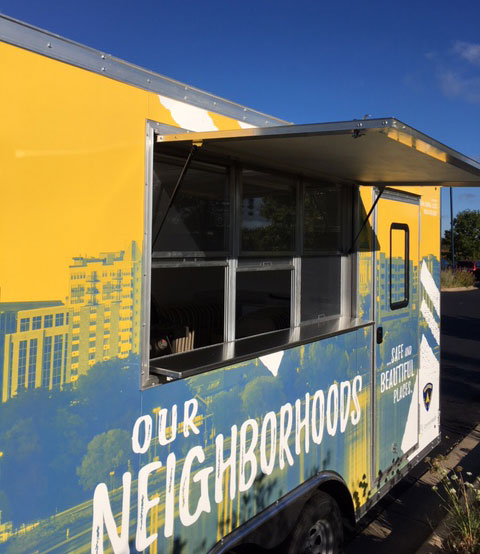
<point x="399" y="265"/>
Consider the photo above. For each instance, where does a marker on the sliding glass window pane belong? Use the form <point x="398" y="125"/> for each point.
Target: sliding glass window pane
<point x="268" y="213"/>
<point x="321" y="280"/>
<point x="187" y="309"/>
<point x="263" y="302"/>
<point x="324" y="209"/>
<point x="198" y="219"/>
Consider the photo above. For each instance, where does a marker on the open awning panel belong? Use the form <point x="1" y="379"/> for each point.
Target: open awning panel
<point x="375" y="151"/>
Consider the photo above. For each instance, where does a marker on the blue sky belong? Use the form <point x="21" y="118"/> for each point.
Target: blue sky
<point x="303" y="61"/>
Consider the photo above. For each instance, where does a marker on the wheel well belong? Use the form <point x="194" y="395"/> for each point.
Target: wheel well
<point x="339" y="492"/>
<point x="276" y="527"/>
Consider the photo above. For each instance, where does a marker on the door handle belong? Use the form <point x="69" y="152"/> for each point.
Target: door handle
<point x="379" y="335"/>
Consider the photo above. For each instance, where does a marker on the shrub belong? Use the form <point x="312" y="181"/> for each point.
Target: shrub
<point x="450" y="279"/>
<point x="461" y="498"/>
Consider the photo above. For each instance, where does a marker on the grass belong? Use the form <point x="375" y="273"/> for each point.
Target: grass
<point x="461" y="498"/>
<point x="451" y="279"/>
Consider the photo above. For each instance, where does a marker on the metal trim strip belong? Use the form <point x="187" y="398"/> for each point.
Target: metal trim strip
<point x="270" y="342"/>
<point x="401" y="196"/>
<point x="23" y="35"/>
<point x="145" y="378"/>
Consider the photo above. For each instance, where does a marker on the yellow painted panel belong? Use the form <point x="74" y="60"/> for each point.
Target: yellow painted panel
<point x="72" y="166"/>
<point x="430" y="222"/>
<point x="158" y="112"/>
<point x="399" y="212"/>
<point x="223" y="123"/>
<point x="429" y="218"/>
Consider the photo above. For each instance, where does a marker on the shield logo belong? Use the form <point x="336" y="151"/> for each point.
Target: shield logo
<point x="427" y="395"/>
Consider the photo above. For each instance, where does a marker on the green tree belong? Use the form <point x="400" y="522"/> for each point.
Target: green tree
<point x="261" y="395"/>
<point x="106" y="453"/>
<point x="466" y="234"/>
<point x="276" y="224"/>
<point x="226" y="410"/>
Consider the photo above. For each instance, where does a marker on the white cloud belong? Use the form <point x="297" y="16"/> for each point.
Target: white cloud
<point x="457" y="70"/>
<point x="468" y="197"/>
<point x="468" y="51"/>
<point x="455" y="85"/>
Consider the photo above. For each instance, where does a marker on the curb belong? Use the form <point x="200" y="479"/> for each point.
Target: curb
<point x="434" y="543"/>
<point x="459" y="289"/>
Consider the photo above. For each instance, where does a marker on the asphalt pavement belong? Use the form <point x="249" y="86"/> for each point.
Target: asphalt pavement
<point x="405" y="518"/>
<point x="460" y="362"/>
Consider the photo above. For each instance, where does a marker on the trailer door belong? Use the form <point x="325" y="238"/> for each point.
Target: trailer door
<point x="397" y="331"/>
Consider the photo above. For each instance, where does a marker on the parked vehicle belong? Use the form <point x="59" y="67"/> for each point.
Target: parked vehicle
<point x="472" y="267"/>
<point x="215" y="328"/>
<point x="466" y="266"/>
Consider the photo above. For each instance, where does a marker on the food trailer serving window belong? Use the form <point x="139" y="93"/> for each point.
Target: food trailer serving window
<point x="251" y="238"/>
<point x="240" y="252"/>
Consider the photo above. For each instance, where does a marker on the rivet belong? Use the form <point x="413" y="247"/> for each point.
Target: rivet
<point x="103" y="56"/>
<point x="103" y="69"/>
<point x="49" y="44"/>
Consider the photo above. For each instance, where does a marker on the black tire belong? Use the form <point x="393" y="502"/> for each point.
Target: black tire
<point x="319" y="529"/>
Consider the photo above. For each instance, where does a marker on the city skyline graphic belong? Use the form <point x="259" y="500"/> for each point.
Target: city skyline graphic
<point x="48" y="344"/>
